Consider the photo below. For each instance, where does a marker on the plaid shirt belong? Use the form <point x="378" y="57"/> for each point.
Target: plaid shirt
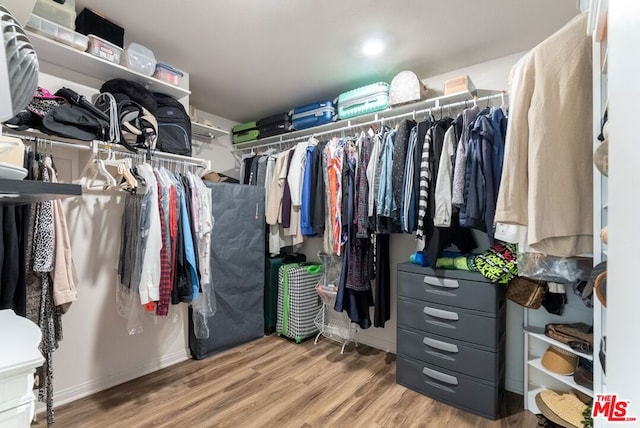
<point x="166" y="283"/>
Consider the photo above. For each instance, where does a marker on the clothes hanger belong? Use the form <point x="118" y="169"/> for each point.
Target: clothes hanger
<point x="101" y="170"/>
<point x="504" y="106"/>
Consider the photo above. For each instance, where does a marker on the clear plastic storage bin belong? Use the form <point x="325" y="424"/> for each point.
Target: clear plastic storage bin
<point x="168" y="74"/>
<point x="139" y="58"/>
<point x="103" y="49"/>
<point x="57" y="32"/>
<point x="62" y="14"/>
<point x="80" y="42"/>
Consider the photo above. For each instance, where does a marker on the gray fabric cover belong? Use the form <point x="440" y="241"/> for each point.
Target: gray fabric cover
<point x="237" y="269"/>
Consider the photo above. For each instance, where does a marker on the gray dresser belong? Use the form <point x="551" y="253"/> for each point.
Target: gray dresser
<point x="451" y="337"/>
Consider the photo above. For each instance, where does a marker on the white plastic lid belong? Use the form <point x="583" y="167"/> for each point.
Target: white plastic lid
<point x="138" y="49"/>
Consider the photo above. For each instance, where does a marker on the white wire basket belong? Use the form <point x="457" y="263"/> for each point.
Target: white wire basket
<point x="333" y="325"/>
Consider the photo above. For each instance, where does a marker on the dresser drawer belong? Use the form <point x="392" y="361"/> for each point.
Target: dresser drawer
<point x="477" y="295"/>
<point x="16" y="390"/>
<point x="450" y="354"/>
<point x="449" y="387"/>
<point x="452" y="322"/>
<point x="20" y="416"/>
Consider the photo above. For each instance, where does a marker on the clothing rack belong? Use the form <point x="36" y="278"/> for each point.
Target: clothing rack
<point x="378" y="118"/>
<point x="96" y="147"/>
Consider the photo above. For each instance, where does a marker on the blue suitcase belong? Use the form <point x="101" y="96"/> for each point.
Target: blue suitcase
<point x="314" y="114"/>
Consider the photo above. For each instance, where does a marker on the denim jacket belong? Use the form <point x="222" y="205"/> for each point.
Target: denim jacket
<point x="386" y="205"/>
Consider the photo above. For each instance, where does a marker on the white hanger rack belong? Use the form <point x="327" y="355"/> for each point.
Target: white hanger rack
<point x="435" y="106"/>
<point x="101" y="147"/>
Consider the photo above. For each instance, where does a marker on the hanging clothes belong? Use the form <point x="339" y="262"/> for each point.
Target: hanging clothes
<point x="372" y="178"/>
<point x="10" y="267"/>
<point x="149" y="284"/>
<point x="399" y="157"/>
<point x="437" y="239"/>
<point x="459" y="170"/>
<point x="41" y="308"/>
<point x="443" y="190"/>
<point x="385" y="203"/>
<point x="245" y="167"/>
<point x="164" y="294"/>
<point x="327" y="241"/>
<point x="548" y="169"/>
<point x="425" y="180"/>
<point x="355" y="302"/>
<point x="482" y="193"/>
<point x="306" y="203"/>
<point x="499" y="123"/>
<point x="285" y="214"/>
<point x="362" y="189"/>
<point x="64" y="276"/>
<point x="382" y="311"/>
<point x="421" y="133"/>
<point x="318" y="190"/>
<point x="407" y="209"/>
<point x="473" y="160"/>
<point x="335" y="159"/>
<point x="277" y="239"/>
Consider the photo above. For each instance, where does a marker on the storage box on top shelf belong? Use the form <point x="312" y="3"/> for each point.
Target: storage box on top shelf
<point x="89" y="22"/>
<point x="57" y="32"/>
<point x="63" y="14"/>
<point x="103" y="49"/>
<point x="459" y="84"/>
<point x="168" y="74"/>
<point x="140" y="59"/>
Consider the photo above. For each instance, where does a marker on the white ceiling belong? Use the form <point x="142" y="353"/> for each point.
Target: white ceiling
<point x="252" y="58"/>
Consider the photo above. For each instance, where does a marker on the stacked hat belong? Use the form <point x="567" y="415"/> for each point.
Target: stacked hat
<point x="563" y="409"/>
<point x="559" y="361"/>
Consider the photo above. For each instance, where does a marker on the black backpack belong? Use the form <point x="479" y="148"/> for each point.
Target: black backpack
<point x="174" y="126"/>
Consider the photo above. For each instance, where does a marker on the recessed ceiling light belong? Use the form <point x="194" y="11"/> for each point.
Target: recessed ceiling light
<point x="372" y="47"/>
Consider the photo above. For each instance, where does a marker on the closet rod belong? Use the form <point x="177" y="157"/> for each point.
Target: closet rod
<point x="35" y="139"/>
<point x="350" y="126"/>
<point x="95" y="145"/>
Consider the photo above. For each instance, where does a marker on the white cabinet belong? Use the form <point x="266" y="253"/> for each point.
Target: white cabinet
<point x="17" y="365"/>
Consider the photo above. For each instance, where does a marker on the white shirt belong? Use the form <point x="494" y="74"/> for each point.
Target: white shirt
<point x="442" y="217"/>
<point x="150" y="278"/>
<point x="296" y="170"/>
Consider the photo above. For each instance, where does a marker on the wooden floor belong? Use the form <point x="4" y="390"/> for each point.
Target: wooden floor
<point x="272" y="382"/>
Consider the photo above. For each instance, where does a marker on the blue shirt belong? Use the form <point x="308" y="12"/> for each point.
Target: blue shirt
<point x="386" y="205"/>
<point x="189" y="251"/>
<point x="305" y="203"/>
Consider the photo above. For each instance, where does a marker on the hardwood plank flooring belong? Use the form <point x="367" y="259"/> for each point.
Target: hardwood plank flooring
<point x="272" y="382"/>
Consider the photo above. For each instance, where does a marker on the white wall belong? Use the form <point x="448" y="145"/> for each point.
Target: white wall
<point x="487" y="75"/>
<point x="623" y="294"/>
<point x="217" y="150"/>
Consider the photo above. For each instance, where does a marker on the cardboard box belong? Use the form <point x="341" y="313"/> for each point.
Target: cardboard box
<point x="459" y="84"/>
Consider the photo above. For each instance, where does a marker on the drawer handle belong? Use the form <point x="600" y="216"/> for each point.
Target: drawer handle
<point x="439" y="313"/>
<point x="451" y="380"/>
<point x="443" y="346"/>
<point x="441" y="282"/>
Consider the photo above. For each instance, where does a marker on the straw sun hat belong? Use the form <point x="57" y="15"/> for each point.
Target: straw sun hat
<point x="563" y="409"/>
<point x="559" y="361"/>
